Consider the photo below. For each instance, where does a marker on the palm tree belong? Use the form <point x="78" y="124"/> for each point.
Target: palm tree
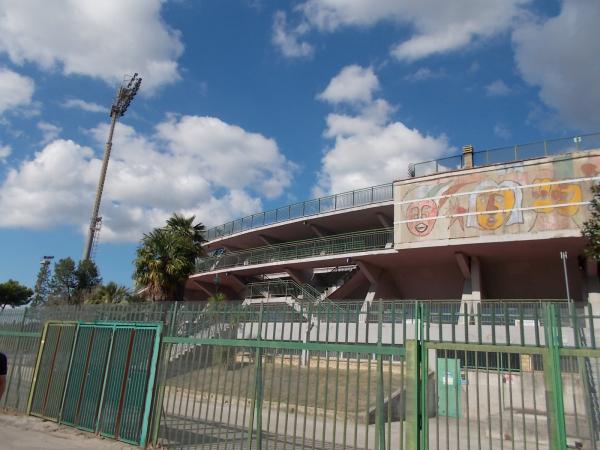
<point x="166" y="257"/>
<point x="185" y="226"/>
<point x="110" y="293"/>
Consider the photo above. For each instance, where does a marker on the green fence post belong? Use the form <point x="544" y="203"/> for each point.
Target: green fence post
<point x="380" y="429"/>
<point x="412" y="395"/>
<point x="553" y="382"/>
<point x="416" y="392"/>
<point x="14" y="364"/>
<point x="423" y="320"/>
<point x="161" y="378"/>
<point x="256" y="411"/>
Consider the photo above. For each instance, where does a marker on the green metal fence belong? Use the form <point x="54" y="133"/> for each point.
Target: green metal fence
<point x="97" y="376"/>
<point x="379" y="375"/>
<point x="309" y="248"/>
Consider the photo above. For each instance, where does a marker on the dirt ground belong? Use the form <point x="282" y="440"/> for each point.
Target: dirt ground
<point x="20" y="432"/>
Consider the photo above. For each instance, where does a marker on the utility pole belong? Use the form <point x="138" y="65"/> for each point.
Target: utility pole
<point x="41" y="284"/>
<point x="122" y="100"/>
<point x="563" y="256"/>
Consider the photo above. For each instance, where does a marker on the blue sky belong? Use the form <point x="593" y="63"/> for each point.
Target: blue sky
<point x="247" y="105"/>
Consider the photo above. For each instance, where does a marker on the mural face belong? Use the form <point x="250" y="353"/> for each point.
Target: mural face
<point x="516" y="198"/>
<point x="546" y="196"/>
<point x="422" y="217"/>
<point x="493" y="209"/>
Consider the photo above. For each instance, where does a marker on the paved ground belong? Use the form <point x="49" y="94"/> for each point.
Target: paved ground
<point x="20" y="432"/>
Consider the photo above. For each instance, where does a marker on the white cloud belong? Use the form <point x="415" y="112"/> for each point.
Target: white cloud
<point x="177" y="169"/>
<point x="77" y="103"/>
<point x="560" y="56"/>
<point x="5" y="152"/>
<point x="497" y="88"/>
<point x="288" y="40"/>
<point x="15" y="90"/>
<point x="370" y="148"/>
<point x="230" y="156"/>
<point x="502" y="131"/>
<point x="438" y="26"/>
<point x="103" y="39"/>
<point x="425" y="73"/>
<point x="353" y="84"/>
<point x="49" y="131"/>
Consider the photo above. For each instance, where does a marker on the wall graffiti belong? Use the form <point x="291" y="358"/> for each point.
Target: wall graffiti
<point x="495" y="208"/>
<point x="532" y="196"/>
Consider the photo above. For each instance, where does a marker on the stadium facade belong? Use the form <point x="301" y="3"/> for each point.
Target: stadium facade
<point x="483" y="225"/>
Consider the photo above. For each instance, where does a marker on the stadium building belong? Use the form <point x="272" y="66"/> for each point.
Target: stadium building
<point x="482" y="225"/>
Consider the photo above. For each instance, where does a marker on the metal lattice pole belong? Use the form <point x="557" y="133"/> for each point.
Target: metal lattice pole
<point x="125" y="95"/>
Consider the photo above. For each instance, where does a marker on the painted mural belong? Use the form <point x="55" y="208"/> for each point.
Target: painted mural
<point x="525" y="197"/>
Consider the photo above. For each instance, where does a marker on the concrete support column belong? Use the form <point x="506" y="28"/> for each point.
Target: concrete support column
<point x="592" y="284"/>
<point x="470" y="267"/>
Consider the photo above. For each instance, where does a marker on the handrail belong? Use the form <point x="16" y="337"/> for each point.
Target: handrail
<point x="337" y="202"/>
<point x="384" y="192"/>
<point x="330" y="245"/>
<point x="283" y="288"/>
<point x="510" y="153"/>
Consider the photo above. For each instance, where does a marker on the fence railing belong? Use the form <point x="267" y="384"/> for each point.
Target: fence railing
<point x="282" y="288"/>
<point x="512" y="153"/>
<point x="360" y="375"/>
<point x="337" y="202"/>
<point x="331" y="245"/>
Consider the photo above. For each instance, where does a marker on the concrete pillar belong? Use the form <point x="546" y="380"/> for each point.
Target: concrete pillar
<point x="368" y="300"/>
<point x="592" y="284"/>
<point x="470" y="267"/>
<point x="467" y="156"/>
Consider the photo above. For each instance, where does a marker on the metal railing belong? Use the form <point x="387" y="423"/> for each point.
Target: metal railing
<point x="282" y="288"/>
<point x="309" y="248"/>
<point x="355" y="375"/>
<point x="337" y="202"/>
<point x="512" y="153"/>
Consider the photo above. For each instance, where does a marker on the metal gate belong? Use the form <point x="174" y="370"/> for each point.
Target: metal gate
<point x="98" y="377"/>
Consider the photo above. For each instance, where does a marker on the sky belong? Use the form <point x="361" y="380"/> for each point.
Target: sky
<point x="248" y="105"/>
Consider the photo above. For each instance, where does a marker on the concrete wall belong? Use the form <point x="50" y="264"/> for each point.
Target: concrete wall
<point x="545" y="196"/>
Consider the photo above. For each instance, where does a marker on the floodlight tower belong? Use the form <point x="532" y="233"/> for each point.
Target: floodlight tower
<point x="124" y="96"/>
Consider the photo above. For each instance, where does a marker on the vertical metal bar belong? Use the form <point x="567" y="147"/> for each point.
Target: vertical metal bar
<point x="510" y="398"/>
<point x="37" y="367"/>
<point x="258" y="390"/>
<point x="150" y="387"/>
<point x="380" y="427"/>
<point x="413" y="433"/>
<point x="19" y="339"/>
<point x="423" y="361"/>
<point x="325" y="396"/>
<point x="551" y="359"/>
<point x="104" y="380"/>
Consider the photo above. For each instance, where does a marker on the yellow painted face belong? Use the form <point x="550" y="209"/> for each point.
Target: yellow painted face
<point x="496" y="208"/>
<point x="547" y="196"/>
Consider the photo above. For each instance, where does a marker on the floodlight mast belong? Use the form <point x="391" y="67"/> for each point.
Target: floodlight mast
<point x="125" y="95"/>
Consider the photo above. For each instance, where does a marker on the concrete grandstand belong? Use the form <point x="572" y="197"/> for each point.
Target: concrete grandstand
<point x="481" y="225"/>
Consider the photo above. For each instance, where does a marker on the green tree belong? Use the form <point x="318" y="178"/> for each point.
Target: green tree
<point x="591" y="228"/>
<point x="166" y="257"/>
<point x="71" y="283"/>
<point x="110" y="293"/>
<point x="13" y="293"/>
<point x="87" y="278"/>
<point x="42" y="285"/>
<point x="63" y="284"/>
